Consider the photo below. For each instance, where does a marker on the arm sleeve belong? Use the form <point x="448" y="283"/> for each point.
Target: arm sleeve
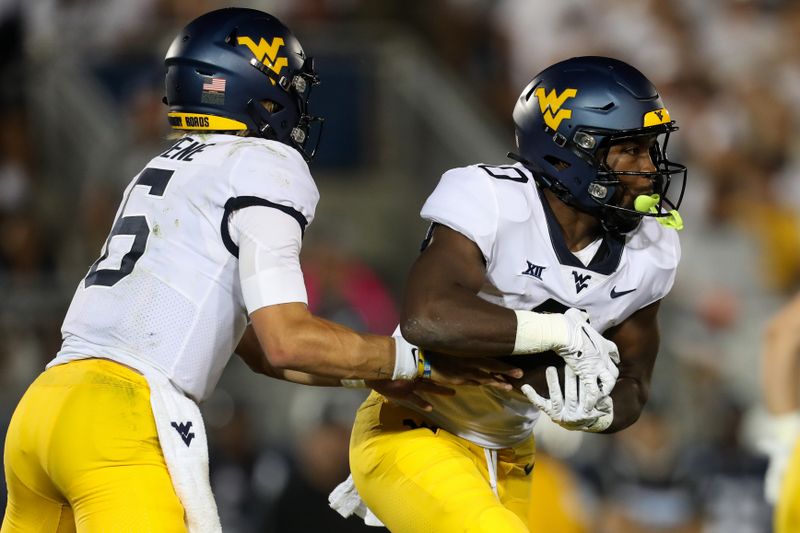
<point x="466" y="201"/>
<point x="269" y="242"/>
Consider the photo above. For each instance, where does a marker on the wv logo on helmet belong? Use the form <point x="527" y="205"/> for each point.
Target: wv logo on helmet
<point x="550" y="105"/>
<point x="266" y="52"/>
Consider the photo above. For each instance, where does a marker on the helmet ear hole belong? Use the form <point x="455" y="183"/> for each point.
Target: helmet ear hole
<point x="270" y="106"/>
<point x="558" y="164"/>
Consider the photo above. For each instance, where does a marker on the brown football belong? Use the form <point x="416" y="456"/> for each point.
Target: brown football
<point x="534" y="367"/>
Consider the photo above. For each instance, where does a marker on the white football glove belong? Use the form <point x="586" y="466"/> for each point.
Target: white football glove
<point x="593" y="358"/>
<point x="567" y="410"/>
<point x="784" y="432"/>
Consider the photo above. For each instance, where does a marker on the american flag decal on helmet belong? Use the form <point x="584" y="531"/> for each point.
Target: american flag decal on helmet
<point x="214" y="84"/>
<point x="213" y="90"/>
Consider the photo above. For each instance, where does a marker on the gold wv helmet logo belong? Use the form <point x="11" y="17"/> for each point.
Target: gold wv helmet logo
<point x="550" y="105"/>
<point x="267" y="53"/>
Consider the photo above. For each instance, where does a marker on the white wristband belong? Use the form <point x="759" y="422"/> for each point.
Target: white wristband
<point x="406" y="359"/>
<point x="539" y="332"/>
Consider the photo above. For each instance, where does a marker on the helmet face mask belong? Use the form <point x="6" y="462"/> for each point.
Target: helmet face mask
<point x="570" y="115"/>
<point x="623" y="218"/>
<point x="242" y="71"/>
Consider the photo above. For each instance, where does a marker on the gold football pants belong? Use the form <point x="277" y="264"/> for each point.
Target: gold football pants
<point x="787" y="511"/>
<point x="421" y="479"/>
<point x="82" y="454"/>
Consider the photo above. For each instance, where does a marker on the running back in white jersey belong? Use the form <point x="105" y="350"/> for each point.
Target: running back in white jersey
<point x="529" y="267"/>
<point x="165" y="291"/>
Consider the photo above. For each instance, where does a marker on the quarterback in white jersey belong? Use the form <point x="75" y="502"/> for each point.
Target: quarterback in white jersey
<point x="570" y="250"/>
<point x="206" y="240"/>
<point x="170" y="290"/>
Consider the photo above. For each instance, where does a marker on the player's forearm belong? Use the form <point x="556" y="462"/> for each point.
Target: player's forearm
<point x="293" y="376"/>
<point x="294" y="339"/>
<point x="323" y="348"/>
<point x="460" y="324"/>
<point x="304" y="378"/>
<point x="251" y="353"/>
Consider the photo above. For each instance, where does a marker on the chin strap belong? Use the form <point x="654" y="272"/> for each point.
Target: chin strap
<point x="645" y="203"/>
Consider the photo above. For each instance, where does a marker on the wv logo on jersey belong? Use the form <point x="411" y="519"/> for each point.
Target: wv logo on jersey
<point x="184" y="429"/>
<point x="580" y="280"/>
<point x="550" y="105"/>
<point x="266" y="52"/>
<point x="533" y="270"/>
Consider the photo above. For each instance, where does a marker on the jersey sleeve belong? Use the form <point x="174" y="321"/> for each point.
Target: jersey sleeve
<point x="268" y="174"/>
<point x="277" y="175"/>
<point x="466" y="201"/>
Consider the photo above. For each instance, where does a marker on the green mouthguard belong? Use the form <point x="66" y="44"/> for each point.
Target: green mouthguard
<point x="645" y="203"/>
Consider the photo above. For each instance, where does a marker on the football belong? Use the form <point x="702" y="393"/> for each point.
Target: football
<point x="534" y="367"/>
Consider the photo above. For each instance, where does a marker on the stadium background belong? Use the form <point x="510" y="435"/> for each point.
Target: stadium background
<point x="411" y="88"/>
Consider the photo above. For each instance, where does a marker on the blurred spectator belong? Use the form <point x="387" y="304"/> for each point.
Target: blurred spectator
<point x="24" y="250"/>
<point x="738" y="38"/>
<point x="728" y="476"/>
<point x="541" y="32"/>
<point x="233" y="456"/>
<point x="645" y="486"/>
<point x="11" y="54"/>
<point x="723" y="292"/>
<point x="16" y="159"/>
<point x="344" y="289"/>
<point x="319" y="463"/>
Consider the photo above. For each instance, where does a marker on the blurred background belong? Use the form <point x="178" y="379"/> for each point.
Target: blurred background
<point x="409" y="89"/>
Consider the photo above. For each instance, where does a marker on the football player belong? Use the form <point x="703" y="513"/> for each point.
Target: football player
<point x="780" y="360"/>
<point x="583" y="227"/>
<point x="205" y="240"/>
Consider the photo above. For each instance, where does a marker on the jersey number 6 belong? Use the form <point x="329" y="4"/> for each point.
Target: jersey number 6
<point x="155" y="179"/>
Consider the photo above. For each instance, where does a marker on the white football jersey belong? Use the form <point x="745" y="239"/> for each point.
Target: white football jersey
<point x="165" y="292"/>
<point x="529" y="267"/>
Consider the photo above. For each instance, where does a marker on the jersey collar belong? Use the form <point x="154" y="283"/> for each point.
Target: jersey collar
<point x="605" y="261"/>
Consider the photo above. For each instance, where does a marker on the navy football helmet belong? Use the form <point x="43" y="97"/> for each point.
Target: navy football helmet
<point x="241" y="70"/>
<point x="566" y="119"/>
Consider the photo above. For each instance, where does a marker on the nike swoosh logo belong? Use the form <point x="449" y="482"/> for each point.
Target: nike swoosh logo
<point x="414" y="355"/>
<point x="615" y="294"/>
<point x="528" y="468"/>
